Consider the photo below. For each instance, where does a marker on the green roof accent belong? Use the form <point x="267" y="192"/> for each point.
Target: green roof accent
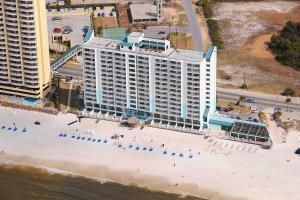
<point x="205" y="114"/>
<point x="88" y="35"/>
<point x="114" y="33"/>
<point x="209" y="52"/>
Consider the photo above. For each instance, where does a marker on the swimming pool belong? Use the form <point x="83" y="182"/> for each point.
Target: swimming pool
<point x="30" y="101"/>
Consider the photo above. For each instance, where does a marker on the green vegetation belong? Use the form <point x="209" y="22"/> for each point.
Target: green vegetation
<point x="244" y="86"/>
<point x="289" y="92"/>
<point x="286" y="45"/>
<point x="213" y="26"/>
<point x="263" y="117"/>
<point x="277" y="115"/>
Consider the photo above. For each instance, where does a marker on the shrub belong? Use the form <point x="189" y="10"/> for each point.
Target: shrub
<point x="244" y="86"/>
<point x="286" y="45"/>
<point x="289" y="92"/>
<point x="276" y="115"/>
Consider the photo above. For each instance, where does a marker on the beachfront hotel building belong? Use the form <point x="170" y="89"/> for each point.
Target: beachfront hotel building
<point x="24" y="54"/>
<point x="145" y="77"/>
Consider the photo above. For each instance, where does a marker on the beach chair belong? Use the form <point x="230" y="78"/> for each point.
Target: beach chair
<point x="99" y="140"/>
<point x="165" y="152"/>
<point x="9" y="128"/>
<point x="120" y="145"/>
<point x="145" y="148"/>
<point x="105" y="141"/>
<point x="130" y="146"/>
<point x="181" y="155"/>
<point x="3" y="127"/>
<point x="60" y="135"/>
<point x="173" y="154"/>
<point x="65" y="135"/>
<point x="89" y="139"/>
<point x="24" y="130"/>
<point x="83" y="138"/>
<point x="93" y="140"/>
<point x="78" y="137"/>
<point x="15" y="129"/>
<point x="150" y="149"/>
<point x="190" y="156"/>
<point x="137" y="148"/>
<point x="73" y="136"/>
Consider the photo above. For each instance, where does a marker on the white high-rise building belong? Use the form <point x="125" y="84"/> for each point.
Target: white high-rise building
<point x="146" y="77"/>
<point x="24" y="54"/>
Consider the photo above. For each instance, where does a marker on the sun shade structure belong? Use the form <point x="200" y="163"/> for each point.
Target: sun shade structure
<point x="254" y="132"/>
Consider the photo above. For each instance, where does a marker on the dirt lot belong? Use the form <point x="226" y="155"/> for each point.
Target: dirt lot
<point x="123" y="16"/>
<point x="105" y="22"/>
<point x="182" y="41"/>
<point x="246" y="28"/>
<point x="174" y="14"/>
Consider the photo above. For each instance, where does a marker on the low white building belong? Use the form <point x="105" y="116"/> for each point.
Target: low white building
<point x="147" y="78"/>
<point x="146" y="12"/>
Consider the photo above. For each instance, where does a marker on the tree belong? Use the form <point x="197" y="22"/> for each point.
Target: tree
<point x="288" y="101"/>
<point x="289" y="92"/>
<point x="242" y="100"/>
<point x="276" y="115"/>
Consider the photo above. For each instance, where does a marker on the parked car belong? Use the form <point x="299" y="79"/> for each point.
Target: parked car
<point x="230" y="109"/>
<point x="297" y="151"/>
<point x="255" y="120"/>
<point x="277" y="109"/>
<point x="250" y="100"/>
<point x="68" y="78"/>
<point x="56" y="73"/>
<point x="37" y="123"/>
<point x="255" y="110"/>
<point x="85" y="29"/>
<point x="67" y="31"/>
<point x="56" y="18"/>
<point x="56" y="30"/>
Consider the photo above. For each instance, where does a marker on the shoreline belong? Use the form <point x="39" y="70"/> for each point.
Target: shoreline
<point x="215" y="167"/>
<point x="103" y="175"/>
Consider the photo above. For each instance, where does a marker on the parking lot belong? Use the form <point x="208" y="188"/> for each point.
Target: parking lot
<point x="76" y="23"/>
<point x="248" y="112"/>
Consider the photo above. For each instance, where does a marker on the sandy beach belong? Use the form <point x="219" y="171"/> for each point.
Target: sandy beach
<point x="157" y="159"/>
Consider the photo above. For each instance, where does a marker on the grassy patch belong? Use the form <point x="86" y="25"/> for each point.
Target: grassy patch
<point x="181" y="40"/>
<point x="182" y="20"/>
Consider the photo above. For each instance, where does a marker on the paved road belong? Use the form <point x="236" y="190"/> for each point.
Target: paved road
<point x="261" y="102"/>
<point x="194" y="25"/>
<point x="68" y="71"/>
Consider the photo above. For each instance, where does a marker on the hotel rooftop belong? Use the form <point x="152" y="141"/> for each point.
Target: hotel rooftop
<point x="137" y="42"/>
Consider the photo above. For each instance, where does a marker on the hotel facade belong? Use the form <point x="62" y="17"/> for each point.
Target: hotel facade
<point x="24" y="54"/>
<point x="145" y="77"/>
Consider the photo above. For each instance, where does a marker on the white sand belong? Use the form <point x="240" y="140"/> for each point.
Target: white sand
<point x="223" y="167"/>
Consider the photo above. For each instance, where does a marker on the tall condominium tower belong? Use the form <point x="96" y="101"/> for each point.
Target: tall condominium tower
<point x="147" y="77"/>
<point x="24" y="54"/>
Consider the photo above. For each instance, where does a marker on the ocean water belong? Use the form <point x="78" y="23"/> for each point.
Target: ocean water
<point x="28" y="183"/>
